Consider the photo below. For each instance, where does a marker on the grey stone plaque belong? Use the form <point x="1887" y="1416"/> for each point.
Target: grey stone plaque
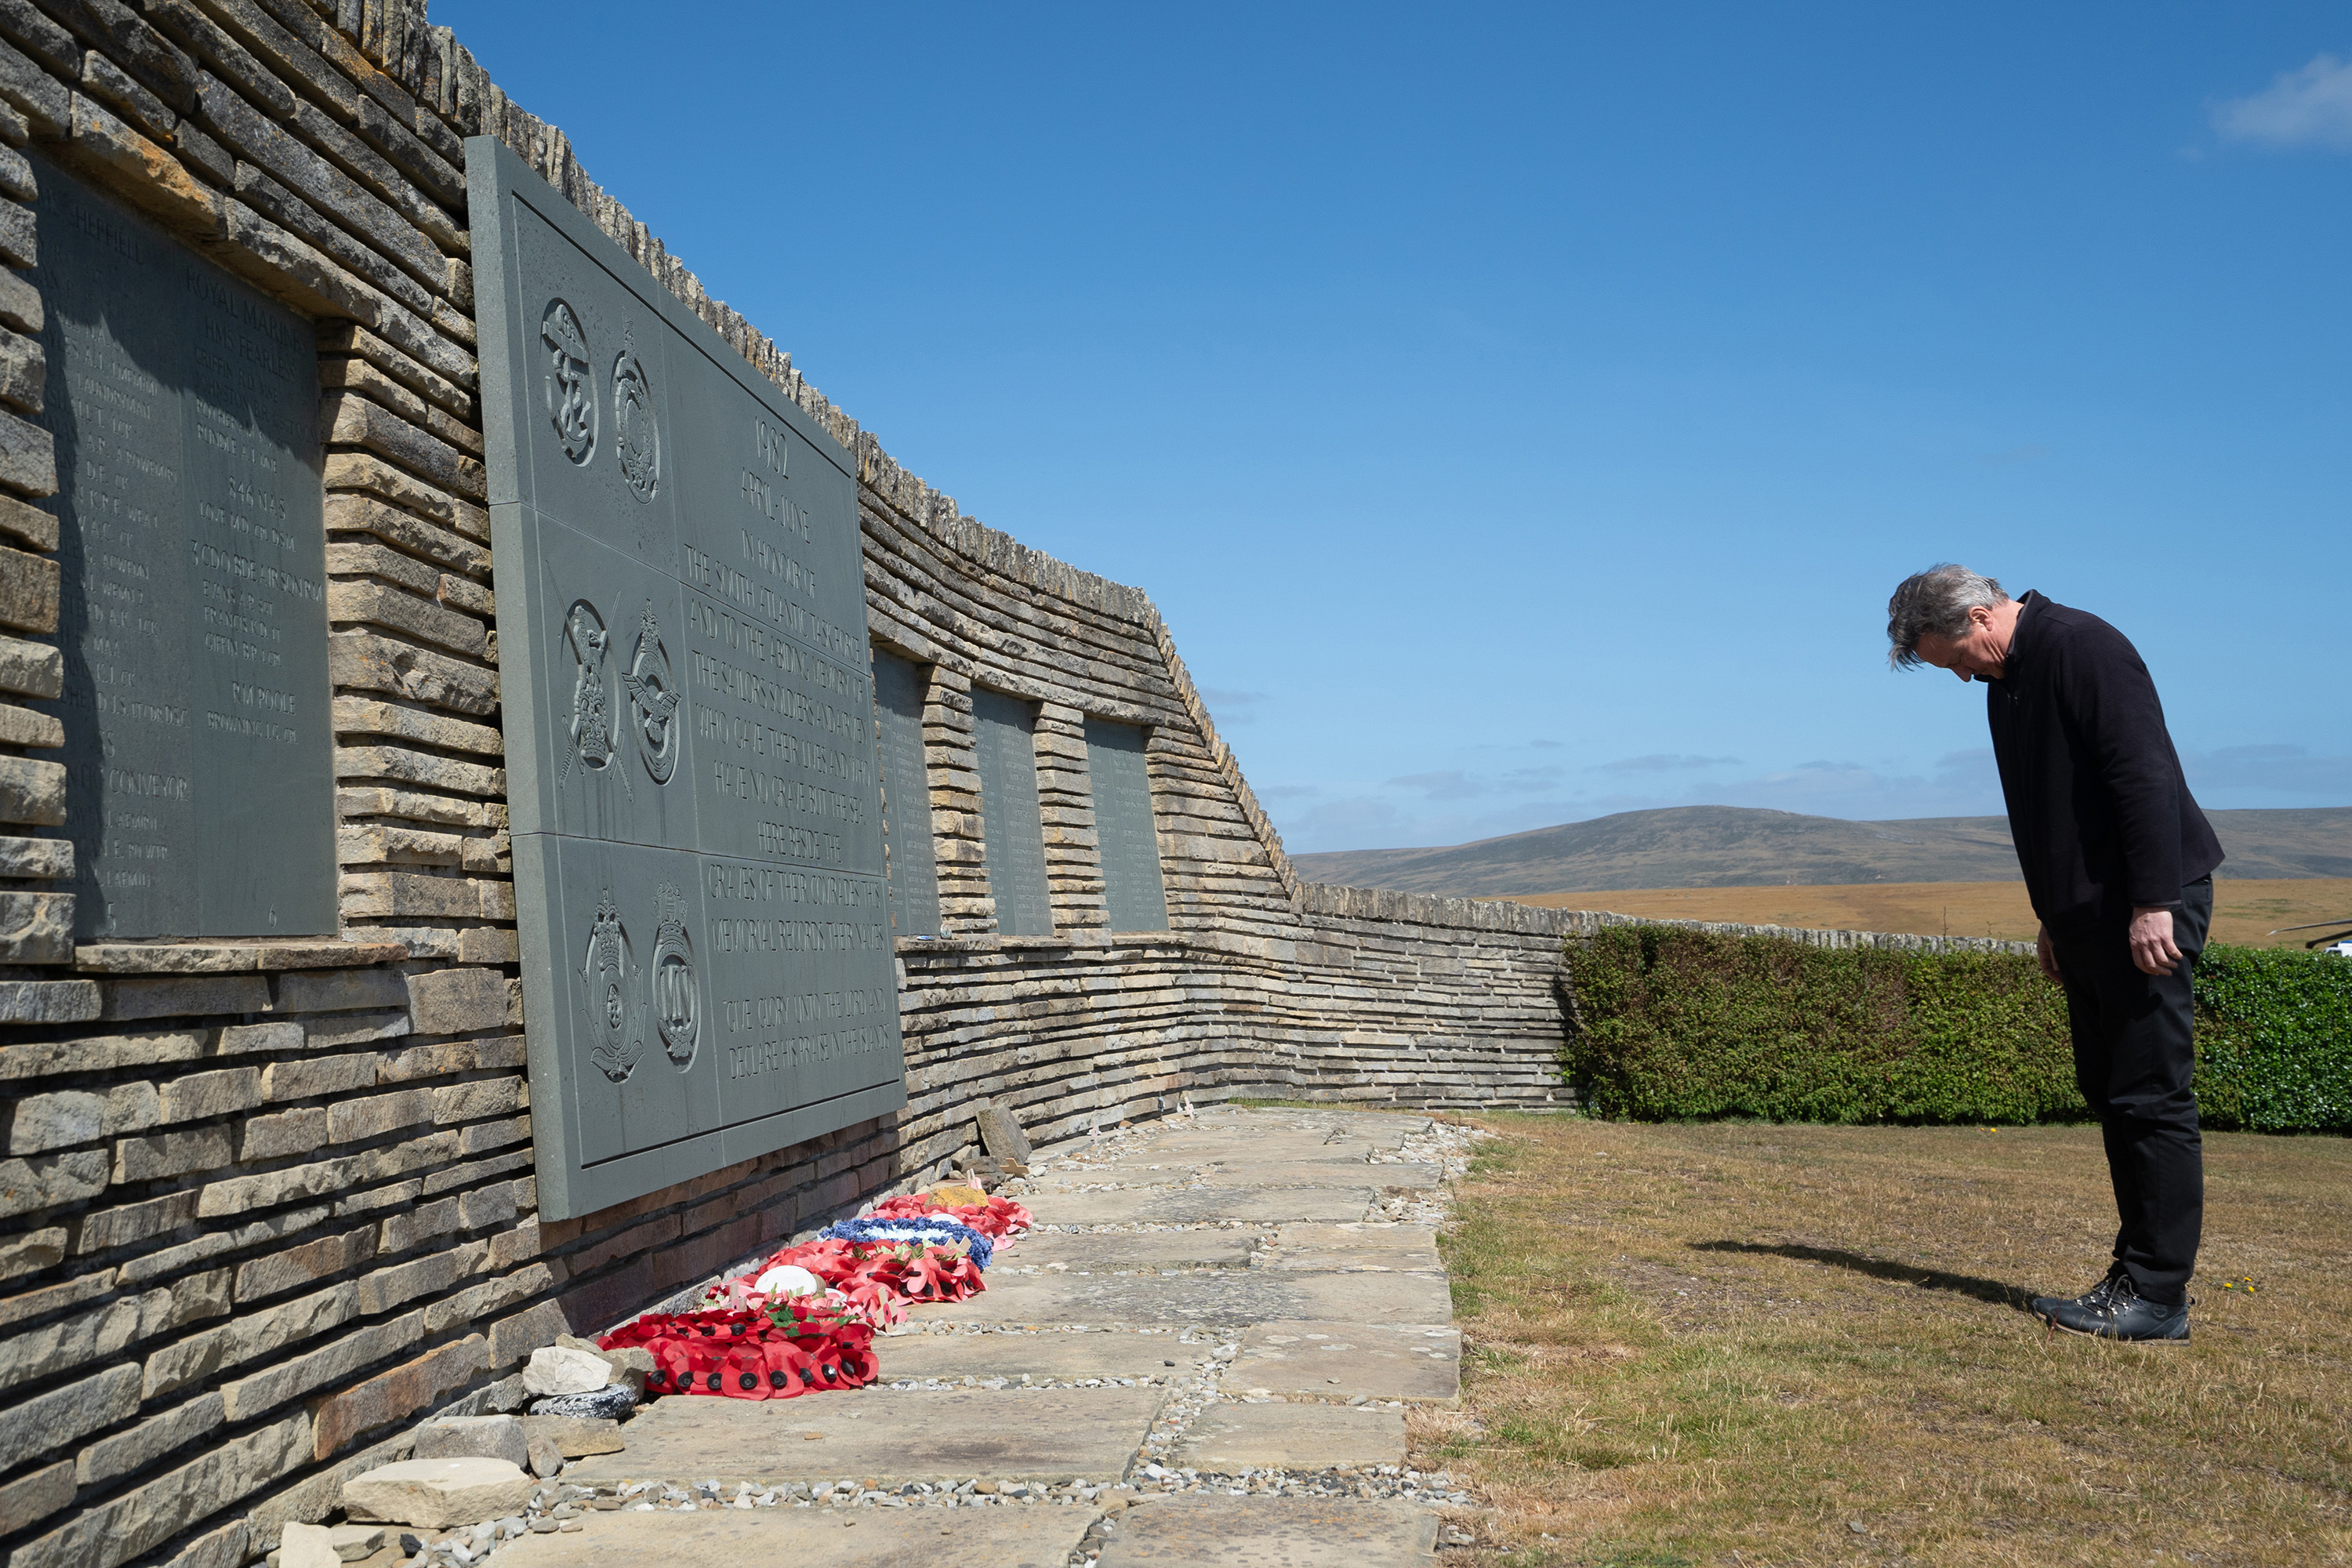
<point x="1133" y="895"/>
<point x="200" y="781"/>
<point x="689" y="715"/>
<point x="1013" y="832"/>
<point x="906" y="798"/>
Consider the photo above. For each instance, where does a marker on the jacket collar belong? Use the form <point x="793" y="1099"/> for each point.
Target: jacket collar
<point x="2020" y="639"/>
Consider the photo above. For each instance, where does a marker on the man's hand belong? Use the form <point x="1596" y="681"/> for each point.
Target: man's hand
<point x="2045" y="951"/>
<point x="2152" y="947"/>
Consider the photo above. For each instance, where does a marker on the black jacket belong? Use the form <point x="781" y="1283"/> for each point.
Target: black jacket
<point x="2101" y="816"/>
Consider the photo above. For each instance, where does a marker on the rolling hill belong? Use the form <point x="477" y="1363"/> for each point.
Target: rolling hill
<point x="1740" y="846"/>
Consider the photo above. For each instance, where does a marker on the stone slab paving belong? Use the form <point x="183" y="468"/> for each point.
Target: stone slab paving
<point x="1204" y="1357"/>
<point x="1061" y="1357"/>
<point x="884" y="1435"/>
<point x="1227" y="1439"/>
<point x="1417" y="1365"/>
<point x="1272" y="1532"/>
<point x="1228" y="1298"/>
<point x="1148" y="1251"/>
<point x="1190" y="1205"/>
<point x="1277" y="1175"/>
<point x="811" y="1538"/>
<point x="1324" y="1249"/>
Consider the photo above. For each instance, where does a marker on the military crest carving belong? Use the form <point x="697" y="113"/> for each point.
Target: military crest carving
<point x="591" y="743"/>
<point x="571" y="388"/>
<point x="676" y="987"/>
<point x="604" y="974"/>
<point x="636" y="432"/>
<point x="652" y="700"/>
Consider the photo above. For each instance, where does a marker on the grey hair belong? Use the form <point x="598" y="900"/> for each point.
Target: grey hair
<point x="1938" y="600"/>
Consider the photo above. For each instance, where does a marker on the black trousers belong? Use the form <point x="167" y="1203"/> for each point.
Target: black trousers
<point x="2134" y="1059"/>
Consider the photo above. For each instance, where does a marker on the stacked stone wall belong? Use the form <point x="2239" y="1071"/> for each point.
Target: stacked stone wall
<point x="264" y="1206"/>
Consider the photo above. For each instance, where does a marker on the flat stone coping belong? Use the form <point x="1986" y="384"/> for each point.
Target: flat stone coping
<point x="1418" y="1364"/>
<point x="1272" y="1532"/>
<point x="1014" y="1537"/>
<point x="231" y="957"/>
<point x="884" y="1434"/>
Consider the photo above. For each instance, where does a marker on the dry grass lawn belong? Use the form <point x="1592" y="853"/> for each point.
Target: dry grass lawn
<point x="1748" y="1344"/>
<point x="2244" y="911"/>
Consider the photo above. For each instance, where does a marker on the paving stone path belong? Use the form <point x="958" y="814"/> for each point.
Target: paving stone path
<point x="1204" y="1354"/>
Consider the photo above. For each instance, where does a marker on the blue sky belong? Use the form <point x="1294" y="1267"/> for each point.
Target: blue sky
<point x="1521" y="414"/>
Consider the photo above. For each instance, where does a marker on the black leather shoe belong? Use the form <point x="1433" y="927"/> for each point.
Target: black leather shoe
<point x="2123" y="1314"/>
<point x="2089" y="1300"/>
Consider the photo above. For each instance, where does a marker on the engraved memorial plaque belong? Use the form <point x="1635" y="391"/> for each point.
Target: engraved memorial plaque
<point x="688" y="716"/>
<point x="1134" y="898"/>
<point x="1012" y="830"/>
<point x="200" y="784"/>
<point x="906" y="798"/>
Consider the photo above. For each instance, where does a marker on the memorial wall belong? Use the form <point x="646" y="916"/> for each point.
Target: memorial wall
<point x="511" y="803"/>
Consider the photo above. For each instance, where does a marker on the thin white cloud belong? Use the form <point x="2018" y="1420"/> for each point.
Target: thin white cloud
<point x="2307" y="108"/>
<point x="1662" y="762"/>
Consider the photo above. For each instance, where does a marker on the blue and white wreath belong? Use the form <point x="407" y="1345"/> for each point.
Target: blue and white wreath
<point x="928" y="1230"/>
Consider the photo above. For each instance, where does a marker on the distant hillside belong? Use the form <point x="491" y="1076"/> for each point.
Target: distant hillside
<point x="1738" y="846"/>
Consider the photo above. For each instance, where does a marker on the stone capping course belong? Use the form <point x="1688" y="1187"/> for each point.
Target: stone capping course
<point x="1533" y="920"/>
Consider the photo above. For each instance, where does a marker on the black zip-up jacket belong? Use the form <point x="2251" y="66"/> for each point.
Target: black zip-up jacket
<point x="2101" y="816"/>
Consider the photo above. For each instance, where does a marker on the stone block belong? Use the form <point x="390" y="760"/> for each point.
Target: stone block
<point x="358" y="1543"/>
<point x="28" y="1500"/>
<point x="36" y="1183"/>
<point x="546" y="1458"/>
<point x="309" y="1077"/>
<point x="149" y="1441"/>
<point x="165" y="1154"/>
<point x="144" y="1518"/>
<point x="31" y="669"/>
<point x="556" y="1370"/>
<point x="434" y="1494"/>
<point x="577" y="1436"/>
<point x="240" y="1039"/>
<point x="474" y="1438"/>
<point x="341" y="991"/>
<point x="47" y="1121"/>
<point x="32" y="791"/>
<point x="307" y="1546"/>
<point x="1001" y="1132"/>
<point x="399" y="1393"/>
<point x="36" y="928"/>
<point x="205" y="1094"/>
<point x="31" y="1427"/>
<point x="48" y="1001"/>
<point x="306" y="1265"/>
<point x="28" y="584"/>
<point x="32" y="1251"/>
<point x="457" y="1001"/>
<point x="22" y="726"/>
<point x="287" y="1133"/>
<point x="174" y="996"/>
<point x="43" y="859"/>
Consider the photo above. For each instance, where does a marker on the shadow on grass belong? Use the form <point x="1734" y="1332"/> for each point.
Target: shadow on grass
<point x="1991" y="1291"/>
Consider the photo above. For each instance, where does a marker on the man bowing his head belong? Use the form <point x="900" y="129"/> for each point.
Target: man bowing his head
<point x="2119" y="863"/>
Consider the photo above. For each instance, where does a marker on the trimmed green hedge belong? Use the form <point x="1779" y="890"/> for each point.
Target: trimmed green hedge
<point x="2273" y="1040"/>
<point x="1676" y="1025"/>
